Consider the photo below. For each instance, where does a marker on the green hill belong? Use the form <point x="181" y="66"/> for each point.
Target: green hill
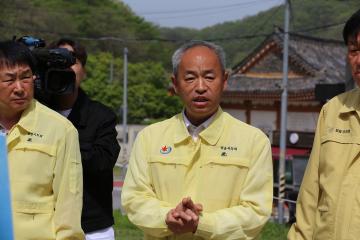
<point x="307" y="17"/>
<point x="105" y="27"/>
<point x="109" y="25"/>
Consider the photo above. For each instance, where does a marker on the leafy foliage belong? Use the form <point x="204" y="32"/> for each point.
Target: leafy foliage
<point x="148" y="98"/>
<point x="105" y="27"/>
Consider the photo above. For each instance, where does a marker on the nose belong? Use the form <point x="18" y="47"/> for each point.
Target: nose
<point x="19" y="88"/>
<point x="201" y="86"/>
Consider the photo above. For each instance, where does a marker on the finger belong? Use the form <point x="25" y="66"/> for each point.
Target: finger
<point x="175" y="223"/>
<point x="180" y="207"/>
<point x="193" y="215"/>
<point x="175" y="214"/>
<point x="185" y="216"/>
<point x="172" y="218"/>
<point x="187" y="202"/>
<point x="198" y="207"/>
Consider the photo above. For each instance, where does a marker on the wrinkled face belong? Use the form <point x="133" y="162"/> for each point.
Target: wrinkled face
<point x="78" y="68"/>
<point x="16" y="89"/>
<point x="200" y="82"/>
<point x="354" y="58"/>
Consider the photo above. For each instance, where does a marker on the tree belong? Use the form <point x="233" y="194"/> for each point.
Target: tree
<point x="148" y="98"/>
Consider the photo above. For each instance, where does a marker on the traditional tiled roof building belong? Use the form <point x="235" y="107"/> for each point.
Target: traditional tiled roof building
<point x="254" y="88"/>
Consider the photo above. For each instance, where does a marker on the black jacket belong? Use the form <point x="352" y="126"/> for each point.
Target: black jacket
<point x="99" y="151"/>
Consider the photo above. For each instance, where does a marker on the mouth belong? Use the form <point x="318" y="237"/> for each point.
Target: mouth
<point x="19" y="100"/>
<point x="200" y="101"/>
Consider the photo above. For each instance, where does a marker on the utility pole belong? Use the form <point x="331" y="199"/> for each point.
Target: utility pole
<point x="125" y="98"/>
<point x="283" y="127"/>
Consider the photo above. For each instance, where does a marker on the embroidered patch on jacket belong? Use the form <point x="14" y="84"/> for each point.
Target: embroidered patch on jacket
<point x="342" y="130"/>
<point x="165" y="149"/>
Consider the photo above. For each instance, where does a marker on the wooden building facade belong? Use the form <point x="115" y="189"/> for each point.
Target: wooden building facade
<point x="254" y="88"/>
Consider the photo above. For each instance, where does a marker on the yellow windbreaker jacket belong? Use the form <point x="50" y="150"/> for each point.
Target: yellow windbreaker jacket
<point x="228" y="170"/>
<point x="45" y="176"/>
<point x="328" y="206"/>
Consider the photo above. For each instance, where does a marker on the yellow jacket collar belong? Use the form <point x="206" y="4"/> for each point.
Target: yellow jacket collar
<point x="352" y="104"/>
<point x="29" y="117"/>
<point x="181" y="132"/>
<point x="211" y="134"/>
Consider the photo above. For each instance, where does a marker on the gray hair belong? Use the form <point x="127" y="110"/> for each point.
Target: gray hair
<point x="176" y="57"/>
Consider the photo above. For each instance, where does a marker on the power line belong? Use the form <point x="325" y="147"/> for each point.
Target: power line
<point x="319" y="27"/>
<point x="133" y="40"/>
<point x="201" y="9"/>
<point x="213" y="12"/>
<point x="268" y="19"/>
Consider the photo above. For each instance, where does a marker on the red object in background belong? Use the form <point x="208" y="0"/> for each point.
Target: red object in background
<point x="290" y="152"/>
<point x="118" y="184"/>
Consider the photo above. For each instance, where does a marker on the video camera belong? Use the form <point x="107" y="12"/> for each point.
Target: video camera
<point x="54" y="75"/>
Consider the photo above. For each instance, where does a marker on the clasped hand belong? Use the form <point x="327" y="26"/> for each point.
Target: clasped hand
<point x="185" y="217"/>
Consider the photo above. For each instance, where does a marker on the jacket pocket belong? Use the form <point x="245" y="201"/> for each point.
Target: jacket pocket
<point x="170" y="161"/>
<point x="34" y="220"/>
<point x="349" y="208"/>
<point x="323" y="221"/>
<point x="222" y="181"/>
<point x="49" y="150"/>
<point x="168" y="176"/>
<point x="33" y="207"/>
<point x="339" y="164"/>
<point x="33" y="163"/>
<point x="75" y="176"/>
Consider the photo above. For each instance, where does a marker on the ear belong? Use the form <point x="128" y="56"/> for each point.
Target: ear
<point x="174" y="82"/>
<point x="225" y="79"/>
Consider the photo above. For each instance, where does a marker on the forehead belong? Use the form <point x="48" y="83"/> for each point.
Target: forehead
<point x="19" y="68"/>
<point x="199" y="55"/>
<point x="67" y="46"/>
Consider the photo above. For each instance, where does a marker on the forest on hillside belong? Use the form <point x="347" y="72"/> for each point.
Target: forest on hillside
<point x="105" y="27"/>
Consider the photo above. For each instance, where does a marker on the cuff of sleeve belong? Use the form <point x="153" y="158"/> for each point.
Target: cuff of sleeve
<point x="205" y="227"/>
<point x="163" y="212"/>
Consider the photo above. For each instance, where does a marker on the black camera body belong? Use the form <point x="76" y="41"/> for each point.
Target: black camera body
<point x="54" y="76"/>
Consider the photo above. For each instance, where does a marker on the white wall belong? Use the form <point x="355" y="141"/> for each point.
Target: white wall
<point x="237" y="113"/>
<point x="265" y="120"/>
<point x="302" y="121"/>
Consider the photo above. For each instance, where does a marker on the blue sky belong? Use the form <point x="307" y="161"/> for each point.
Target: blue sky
<point x="197" y="13"/>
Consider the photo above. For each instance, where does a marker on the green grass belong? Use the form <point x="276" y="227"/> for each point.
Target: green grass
<point x="117" y="172"/>
<point x="274" y="231"/>
<point x="124" y="229"/>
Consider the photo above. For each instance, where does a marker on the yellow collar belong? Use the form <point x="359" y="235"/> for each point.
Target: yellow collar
<point x="29" y="117"/>
<point x="211" y="134"/>
<point x="352" y="103"/>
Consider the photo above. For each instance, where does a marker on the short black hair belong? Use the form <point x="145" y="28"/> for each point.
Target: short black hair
<point x="79" y="50"/>
<point x="15" y="53"/>
<point x="352" y="27"/>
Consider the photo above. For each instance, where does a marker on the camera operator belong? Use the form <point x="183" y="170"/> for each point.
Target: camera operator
<point x="98" y="145"/>
<point x="43" y="153"/>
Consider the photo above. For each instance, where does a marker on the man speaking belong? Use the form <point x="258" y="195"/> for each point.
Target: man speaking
<point x="201" y="174"/>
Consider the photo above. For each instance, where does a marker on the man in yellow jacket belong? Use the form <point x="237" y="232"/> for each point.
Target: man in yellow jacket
<point x="43" y="153"/>
<point x="201" y="174"/>
<point x="328" y="206"/>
